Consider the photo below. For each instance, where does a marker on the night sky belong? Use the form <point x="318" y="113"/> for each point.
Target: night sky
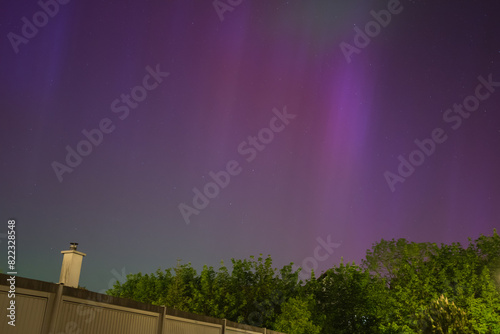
<point x="323" y="122"/>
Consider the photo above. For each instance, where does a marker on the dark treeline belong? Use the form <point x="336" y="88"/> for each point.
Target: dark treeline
<point x="400" y="287"/>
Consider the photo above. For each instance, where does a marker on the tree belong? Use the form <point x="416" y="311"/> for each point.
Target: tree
<point x="257" y="290"/>
<point x="387" y="258"/>
<point x="253" y="293"/>
<point x="212" y="296"/>
<point x="403" y="266"/>
<point x="444" y="317"/>
<point x="180" y="291"/>
<point x="296" y="317"/>
<point x="138" y="287"/>
<point x="484" y="306"/>
<point x="351" y="300"/>
<point x="418" y="274"/>
<point x="398" y="289"/>
<point x="488" y="249"/>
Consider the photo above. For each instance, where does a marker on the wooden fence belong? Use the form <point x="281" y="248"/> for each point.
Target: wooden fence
<point x="48" y="308"/>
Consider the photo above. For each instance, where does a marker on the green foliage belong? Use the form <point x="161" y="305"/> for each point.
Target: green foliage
<point x="351" y="300"/>
<point x="399" y="288"/>
<point x="296" y="317"/>
<point x="417" y="274"/>
<point x="180" y="292"/>
<point x="403" y="266"/>
<point x="484" y="306"/>
<point x="253" y="293"/>
<point x="485" y="317"/>
<point x="258" y="290"/>
<point x="488" y="250"/>
<point x="389" y="258"/>
<point x="443" y="317"/>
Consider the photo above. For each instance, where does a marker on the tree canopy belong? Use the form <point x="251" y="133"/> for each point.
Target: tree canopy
<point x="400" y="287"/>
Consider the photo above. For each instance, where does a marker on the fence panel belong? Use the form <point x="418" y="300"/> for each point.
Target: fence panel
<point x="93" y="318"/>
<point x="174" y="325"/>
<point x="29" y="313"/>
<point x="231" y="330"/>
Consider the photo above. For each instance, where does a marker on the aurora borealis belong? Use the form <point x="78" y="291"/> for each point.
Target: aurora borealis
<point x="116" y="113"/>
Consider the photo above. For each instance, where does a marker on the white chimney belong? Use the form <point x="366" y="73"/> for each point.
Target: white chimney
<point x="71" y="266"/>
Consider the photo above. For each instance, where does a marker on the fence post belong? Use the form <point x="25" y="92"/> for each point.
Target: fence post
<point x="161" y="317"/>
<point x="55" y="310"/>
<point x="224" y="327"/>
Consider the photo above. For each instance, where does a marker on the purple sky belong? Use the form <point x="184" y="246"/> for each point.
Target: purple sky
<point x="320" y="173"/>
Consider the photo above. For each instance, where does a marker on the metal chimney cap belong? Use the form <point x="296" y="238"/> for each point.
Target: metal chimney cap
<point x="73" y="245"/>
